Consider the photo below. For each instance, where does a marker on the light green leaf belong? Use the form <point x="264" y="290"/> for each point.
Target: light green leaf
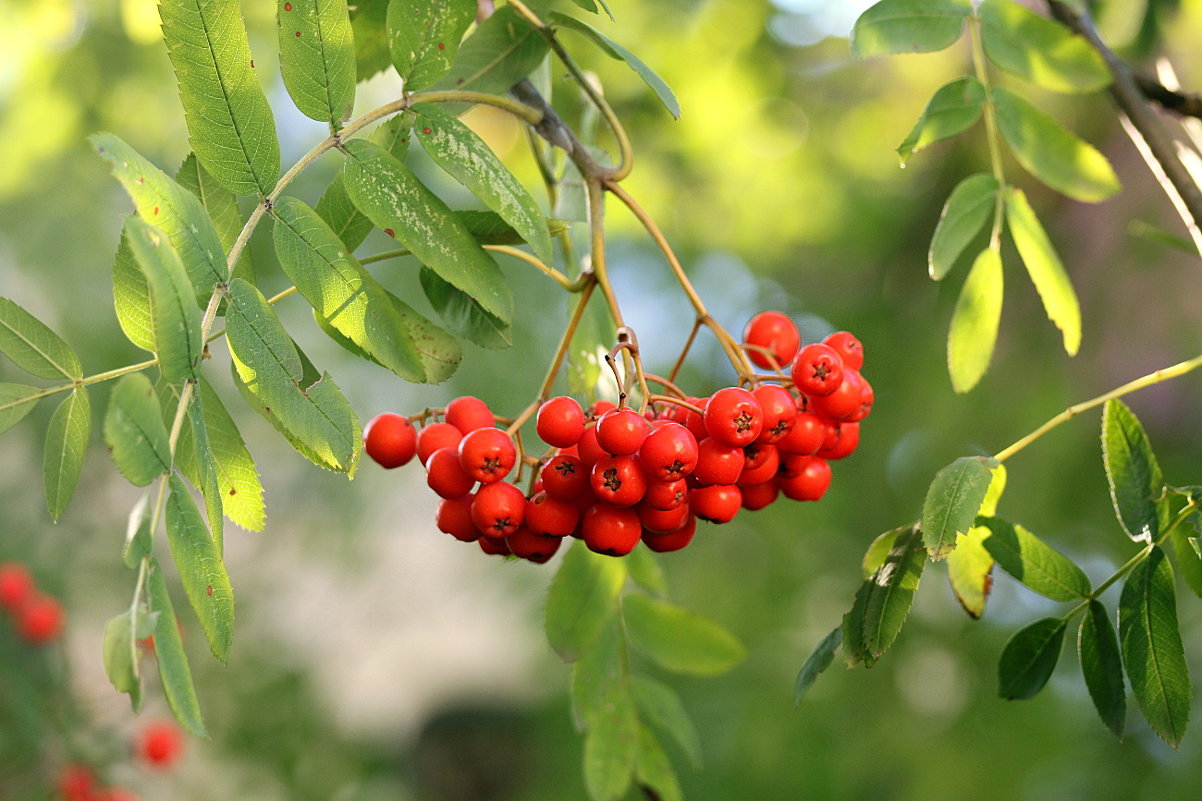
<point x="610" y="745"/>
<point x="368" y="24"/>
<point x="424" y="36"/>
<point x="1132" y="472"/>
<point x="968" y="208"/>
<point x="229" y="119"/>
<point x="1043" y="265"/>
<point x="1033" y="562"/>
<point x="646" y="572"/>
<point x="1189" y="561"/>
<point x="174" y="671"/>
<point x="908" y="26"/>
<point x="463" y="315"/>
<point x="222" y="208"/>
<point x="1029" y="658"/>
<point x="201" y="569"/>
<point x="970" y="571"/>
<point x="206" y="472"/>
<point x="583" y="595"/>
<point x="879" y="550"/>
<point x="1039" y="49"/>
<point x="120" y="657"/>
<point x="16" y="401"/>
<point x="886" y="596"/>
<point x="661" y="706"/>
<point x="503" y="50"/>
<point x="1152" y="650"/>
<point x="678" y="639"/>
<point x="131" y="297"/>
<point x="33" y="347"/>
<point x="1051" y="153"/>
<point x="586" y="365"/>
<point x="66" y="446"/>
<point x="237" y="476"/>
<point x="953" y="109"/>
<point x="975" y="320"/>
<point x="653" y="769"/>
<point x="317" y="57"/>
<point x="600" y="664"/>
<point x="134" y="431"/>
<point x="952" y="502"/>
<point x="1102" y="667"/>
<point x="818" y="660"/>
<point x="137" y="533"/>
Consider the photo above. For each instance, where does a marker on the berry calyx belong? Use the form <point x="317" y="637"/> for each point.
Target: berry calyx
<point x="669" y="452"/>
<point x="775" y="332"/>
<point x="498" y="509"/>
<point x="734" y="417"/>
<point x="780" y="412"/>
<point x="850" y="349"/>
<point x="618" y="480"/>
<point x="565" y="477"/>
<point x="487" y="454"/>
<point x="817" y="370"/>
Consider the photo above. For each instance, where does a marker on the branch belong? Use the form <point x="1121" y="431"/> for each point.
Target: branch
<point x="1187" y="105"/>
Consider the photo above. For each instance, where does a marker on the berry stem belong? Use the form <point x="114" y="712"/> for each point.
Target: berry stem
<point x="676" y="401"/>
<point x="666" y="384"/>
<point x="688" y="345"/>
<point x="565" y="342"/>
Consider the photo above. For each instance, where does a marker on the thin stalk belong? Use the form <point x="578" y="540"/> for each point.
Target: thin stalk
<point x="567" y="283"/>
<point x="688" y="345"/>
<point x="991" y="132"/>
<point x="83" y="382"/>
<point x="565" y="342"/>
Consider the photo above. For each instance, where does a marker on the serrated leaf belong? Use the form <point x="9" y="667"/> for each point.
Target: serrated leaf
<point x="229" y="119"/>
<point x="678" y="639"/>
<point x="1043" y="265"/>
<point x="1040" y="50"/>
<point x="174" y="671"/>
<point x="16" y="401"/>
<point x="888" y="594"/>
<point x="137" y="534"/>
<point x="66" y="446"/>
<point x="878" y="550"/>
<point x="503" y="50"/>
<point x="908" y="26"/>
<point x="819" y="660"/>
<point x="166" y="205"/>
<point x="237" y="476"/>
<point x="616" y="51"/>
<point x="583" y="595"/>
<point x="1033" y="562"/>
<point x="120" y="657"/>
<point x="1102" y="667"/>
<point x="131" y="298"/>
<point x="661" y="706"/>
<point x="201" y="569"/>
<point x="646" y="572"/>
<point x="1188" y="559"/>
<point x="1029" y="658"/>
<point x="1132" y="472"/>
<point x="368" y="25"/>
<point x="970" y="571"/>
<point x="599" y="665"/>
<point x="953" y="501"/>
<point x="953" y="109"/>
<point x="33" y="347"/>
<point x="134" y="431"/>
<point x="424" y="36"/>
<point x="970" y="205"/>
<point x="317" y="57"/>
<point x="1051" y="153"/>
<point x="975" y="320"/>
<point x="463" y="315"/>
<point x="465" y="156"/>
<point x="206" y="472"/>
<point x="610" y="745"/>
<point x="222" y="208"/>
<point x="1151" y="646"/>
<point x="653" y="769"/>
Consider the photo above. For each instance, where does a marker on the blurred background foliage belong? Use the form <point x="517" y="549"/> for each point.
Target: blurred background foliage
<point x="376" y="658"/>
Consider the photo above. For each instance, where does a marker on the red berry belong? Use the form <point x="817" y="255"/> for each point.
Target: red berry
<point x="40" y="619"/>
<point x="780" y="412"/>
<point x="549" y="517"/>
<point x="532" y="547"/>
<point x="498" y="509"/>
<point x="446" y="476"/>
<point x="114" y="794"/>
<point x="618" y="480"/>
<point x="760" y="495"/>
<point x="848" y="347"/>
<point x="867" y="396"/>
<point x="487" y="454"/>
<point x="718" y="503"/>
<point x="468" y="414"/>
<point x="846" y="439"/>
<point x="454" y="517"/>
<point x="734" y="417"/>
<point x="590" y="451"/>
<point x="389" y="439"/>
<point x="817" y="370"/>
<point x="718" y="463"/>
<point x="16" y="585"/>
<point x="806" y="436"/>
<point x="76" y="783"/>
<point x="662" y="521"/>
<point x="806" y="479"/>
<point x="621" y="431"/>
<point x="774" y="331"/>
<point x="762" y="467"/>
<point x="565" y="477"/>
<point x="434" y="436"/>
<point x="665" y="495"/>
<point x="669" y="452"/>
<point x="160" y="744"/>
<point x="494" y="546"/>
<point x="560" y="422"/>
<point x="611" y="530"/>
<point x="601" y="407"/>
<point x="844" y="402"/>
<point x="673" y="540"/>
<point x="689" y="418"/>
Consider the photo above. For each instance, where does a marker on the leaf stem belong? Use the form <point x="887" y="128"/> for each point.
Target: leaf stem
<point x="567" y="283"/>
<point x="83" y="382"/>
<point x="991" y="132"/>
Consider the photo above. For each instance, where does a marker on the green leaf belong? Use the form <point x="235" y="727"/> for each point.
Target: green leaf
<point x="313" y="415"/>
<point x="166" y="205"/>
<point x="222" y="208"/>
<point x="237" y="476"/>
<point x="610" y="745"/>
<point x="134" y="431"/>
<point x="16" y="401"/>
<point x="616" y="51"/>
<point x="908" y="26"/>
<point x="206" y="473"/>
<point x="131" y="297"/>
<point x="818" y="660"/>
<point x="174" y="671"/>
<point x="341" y="292"/>
<point x="1188" y="559"/>
<point x="600" y="664"/>
<point x="33" y="347"/>
<point x="229" y="119"/>
<point x="137" y="534"/>
<point x="463" y="314"/>
<point x="174" y="317"/>
<point x="661" y="706"/>
<point x="1029" y="658"/>
<point x="394" y="199"/>
<point x="201" y="569"/>
<point x="653" y="769"/>
<point x="488" y="228"/>
<point x="466" y="157"/>
<point x="120" y="657"/>
<point x="953" y="501"/>
<point x="1040" y="50"/>
<point x="66" y="446"/>
<point x="369" y="26"/>
<point x="503" y="50"/>
<point x="1102" y="667"/>
<point x="887" y="595"/>
<point x="968" y="208"/>
<point x="1132" y="472"/>
<point x="583" y="595"/>
<point x="975" y="320"/>
<point x="646" y="572"/>
<point x="1152" y="650"/>
<point x="586" y="354"/>
<point x="1033" y="562"/>
<point x="1043" y="265"/>
<point x="1051" y="153"/>
<point x="878" y="550"/>
<point x="970" y="571"/>
<point x="953" y="109"/>
<point x="317" y="57"/>
<point x="678" y="639"/>
<point x="424" y="36"/>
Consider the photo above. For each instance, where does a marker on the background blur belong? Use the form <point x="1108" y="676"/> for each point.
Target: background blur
<point x="376" y="658"/>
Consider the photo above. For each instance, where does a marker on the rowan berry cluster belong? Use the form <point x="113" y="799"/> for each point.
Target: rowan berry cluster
<point x="78" y="783"/>
<point x="159" y="745"/>
<point x="37" y="616"/>
<point x="614" y="476"/>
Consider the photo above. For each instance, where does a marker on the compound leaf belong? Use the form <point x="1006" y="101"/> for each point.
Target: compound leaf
<point x="1132" y="472"/>
<point x="33" y="347"/>
<point x="174" y="671"/>
<point x="66" y="446"/>
<point x="317" y="57"/>
<point x="661" y="705"/>
<point x="1029" y="658"/>
<point x="424" y="36"/>
<point x="818" y="661"/>
<point x="201" y="569"/>
<point x="120" y="657"/>
<point x="611" y="744"/>
<point x="134" y="430"/>
<point x="953" y="109"/>
<point x="968" y="208"/>
<point x="678" y="639"/>
<point x="975" y="320"/>
<point x="908" y="26"/>
<point x="1102" y="667"/>
<point x="583" y="595"/>
<point x="1033" y="562"/>
<point x="1043" y="265"/>
<point x="953" y="501"/>
<point x="653" y="769"/>
<point x="503" y="50"/>
<point x="1038" y="49"/>
<point x="222" y="208"/>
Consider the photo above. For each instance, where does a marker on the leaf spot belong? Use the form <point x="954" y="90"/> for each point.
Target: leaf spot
<point x="390" y="232"/>
<point x="287" y="6"/>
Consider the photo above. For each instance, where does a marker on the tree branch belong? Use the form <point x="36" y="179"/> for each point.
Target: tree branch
<point x="1187" y="105"/>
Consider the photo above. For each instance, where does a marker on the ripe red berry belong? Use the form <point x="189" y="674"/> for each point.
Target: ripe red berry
<point x="618" y="480"/>
<point x="498" y="509"/>
<point x="549" y="517"/>
<point x="850" y="350"/>
<point x="780" y="412"/>
<point x="113" y="794"/>
<point x="76" y="783"/>
<point x="846" y="439"/>
<point x="774" y="331"/>
<point x="817" y="370"/>
<point x="689" y="418"/>
<point x="673" y="540"/>
<point x="40" y="619"/>
<point x="16" y="585"/>
<point x="565" y="477"/>
<point x="761" y="467"/>
<point x="560" y="422"/>
<point x="160" y="744"/>
<point x="611" y="530"/>
<point x="806" y="436"/>
<point x="805" y="479"/>
<point x="590" y="451"/>
<point x="446" y="476"/>
<point x="844" y="402"/>
<point x="867" y="397"/>
<point x="454" y="516"/>
<point x="665" y="495"/>
<point x="494" y="546"/>
<point x="469" y="413"/>
<point x="434" y="436"/>
<point x="758" y="496"/>
<point x="662" y="521"/>
<point x="734" y="417"/>
<point x="601" y="407"/>
<point x="669" y="452"/>
<point x="389" y="439"/>
<point x="487" y="454"/>
<point x="525" y="544"/>
<point x="718" y="463"/>
<point x="620" y="432"/>
<point x="718" y="503"/>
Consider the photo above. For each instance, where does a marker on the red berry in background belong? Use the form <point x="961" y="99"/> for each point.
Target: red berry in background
<point x="761" y="468"/>
<point x="867" y="397"/>
<point x="850" y="350"/>
<point x="446" y="476"/>
<point x="611" y="530"/>
<point x="733" y="416"/>
<point x="76" y="783"/>
<point x="718" y="503"/>
<point x="673" y="540"/>
<point x="590" y="451"/>
<point x="665" y="495"/>
<point x="494" y="546"/>
<point x="532" y="547"/>
<point x="601" y="407"/>
<point x="662" y="521"/>
<point x="565" y="477"/>
<point x="807" y="479"/>
<point x="487" y="454"/>
<point x="844" y="402"/>
<point x="113" y="794"/>
<point x="160" y="744"/>
<point x="498" y="509"/>
<point x="806" y="436"/>
<point x="16" y="585"/>
<point x="620" y="432"/>
<point x="774" y="331"/>
<point x="688" y="418"/>
<point x="454" y="516"/>
<point x="668" y="453"/>
<point x="434" y="436"/>
<point x="758" y="496"/>
<point x="618" y="480"/>
<point x="389" y="439"/>
<point x="817" y="370"/>
<point x="469" y="413"/>
<point x="560" y="422"/>
<point x="718" y="463"/>
<point x="40" y="619"/>
<point x="549" y="517"/>
<point x="846" y="439"/>
<point x="780" y="412"/>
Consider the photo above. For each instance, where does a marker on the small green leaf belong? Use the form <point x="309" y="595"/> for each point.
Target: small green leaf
<point x="952" y="502"/>
<point x="317" y="57"/>
<point x="503" y="50"/>
<point x="201" y="569"/>
<point x="968" y="208"/>
<point x="1051" y="153"/>
<point x="818" y="661"/>
<point x="908" y="26"/>
<point x="33" y="347"/>
<point x="222" y="208"/>
<point x="1029" y="658"/>
<point x="66" y="446"/>
<point x="424" y="36"/>
<point x="1132" y="472"/>
<point x="16" y="401"/>
<point x="653" y="769"/>
<point x="1152" y="650"/>
<point x="1102" y="667"/>
<point x="1189" y="561"/>
<point x="953" y="109"/>
<point x="970" y="571"/>
<point x="610" y="745"/>
<point x="131" y="298"/>
<point x="973" y="331"/>
<point x="1040" y="50"/>
<point x="678" y="639"/>
<point x="370" y="32"/>
<point x="583" y="595"/>
<point x="646" y="572"/>
<point x="134" y="431"/>
<point x="601" y="663"/>
<point x="662" y="707"/>
<point x="120" y="657"/>
<point x="878" y="550"/>
<point x="616" y="51"/>
<point x="206" y="472"/>
<point x="889" y="593"/>
<point x="137" y="534"/>
<point x="174" y="671"/>
<point x="1033" y="562"/>
<point x="463" y="314"/>
<point x="1043" y="265"/>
